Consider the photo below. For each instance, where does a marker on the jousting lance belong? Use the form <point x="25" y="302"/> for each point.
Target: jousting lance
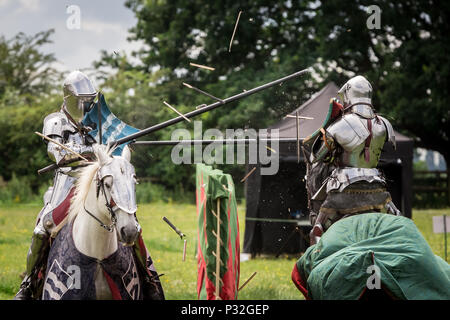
<point x="210" y="141"/>
<point x="207" y="108"/>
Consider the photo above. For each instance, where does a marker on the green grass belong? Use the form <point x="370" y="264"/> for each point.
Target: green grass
<point x="273" y="280"/>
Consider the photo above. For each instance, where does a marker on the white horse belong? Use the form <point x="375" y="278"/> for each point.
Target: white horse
<point x="102" y="214"/>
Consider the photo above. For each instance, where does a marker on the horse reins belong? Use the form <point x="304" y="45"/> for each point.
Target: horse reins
<point x="109" y="205"/>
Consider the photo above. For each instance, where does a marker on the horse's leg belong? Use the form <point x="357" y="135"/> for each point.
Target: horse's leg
<point x="102" y="290"/>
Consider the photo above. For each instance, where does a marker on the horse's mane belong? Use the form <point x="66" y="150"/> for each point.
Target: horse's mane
<point x="85" y="176"/>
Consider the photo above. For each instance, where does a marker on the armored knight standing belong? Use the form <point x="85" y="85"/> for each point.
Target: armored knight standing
<point x="351" y="147"/>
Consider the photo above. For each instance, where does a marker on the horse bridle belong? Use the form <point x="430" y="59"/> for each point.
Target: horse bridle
<point x="109" y="205"/>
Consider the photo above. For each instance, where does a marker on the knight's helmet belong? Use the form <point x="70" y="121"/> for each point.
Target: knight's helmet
<point x="356" y="90"/>
<point x="79" y="94"/>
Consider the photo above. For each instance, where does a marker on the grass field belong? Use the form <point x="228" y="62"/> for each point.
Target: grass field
<point x="273" y="280"/>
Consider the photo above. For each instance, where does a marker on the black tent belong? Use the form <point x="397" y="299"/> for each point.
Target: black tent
<point x="276" y="205"/>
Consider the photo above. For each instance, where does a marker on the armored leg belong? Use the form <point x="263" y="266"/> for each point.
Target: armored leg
<point x="152" y="285"/>
<point x="35" y="258"/>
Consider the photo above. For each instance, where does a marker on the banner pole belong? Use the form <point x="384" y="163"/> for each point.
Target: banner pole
<point x="218" y="251"/>
<point x="99" y="115"/>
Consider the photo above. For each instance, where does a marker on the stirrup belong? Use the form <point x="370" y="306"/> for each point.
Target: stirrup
<point x="25" y="291"/>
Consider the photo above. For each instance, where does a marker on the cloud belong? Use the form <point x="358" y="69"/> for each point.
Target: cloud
<point x="30" y="5"/>
<point x="104" y="26"/>
<point x="4" y="3"/>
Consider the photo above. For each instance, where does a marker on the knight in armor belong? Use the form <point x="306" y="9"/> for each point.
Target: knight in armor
<point x="351" y="147"/>
<point x="65" y="127"/>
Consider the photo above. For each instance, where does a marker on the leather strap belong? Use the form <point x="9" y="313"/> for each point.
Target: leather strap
<point x="324" y="138"/>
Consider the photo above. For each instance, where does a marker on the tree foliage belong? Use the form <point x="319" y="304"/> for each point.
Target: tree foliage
<point x="24" y="69"/>
<point x="406" y="59"/>
<point x="26" y="82"/>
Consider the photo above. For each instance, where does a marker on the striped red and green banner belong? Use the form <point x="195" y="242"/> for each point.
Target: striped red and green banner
<point x="218" y="235"/>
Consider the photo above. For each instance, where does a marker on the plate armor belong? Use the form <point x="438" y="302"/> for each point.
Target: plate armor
<point x="63" y="127"/>
<point x="353" y="144"/>
<point x="56" y="126"/>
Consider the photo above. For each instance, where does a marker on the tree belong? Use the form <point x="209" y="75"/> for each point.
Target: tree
<point x="404" y="57"/>
<point x="267" y="46"/>
<point x="26" y="82"/>
<point x="24" y="69"/>
<point x="406" y="60"/>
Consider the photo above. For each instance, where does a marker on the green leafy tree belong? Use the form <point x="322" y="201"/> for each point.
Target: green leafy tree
<point x="266" y="46"/>
<point x="24" y="69"/>
<point x="405" y="59"/>
<point x="26" y="82"/>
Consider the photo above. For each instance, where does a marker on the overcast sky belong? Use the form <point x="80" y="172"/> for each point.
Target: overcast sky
<point x="103" y="25"/>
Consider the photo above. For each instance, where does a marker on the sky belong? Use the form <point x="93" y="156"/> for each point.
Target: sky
<point x="102" y="25"/>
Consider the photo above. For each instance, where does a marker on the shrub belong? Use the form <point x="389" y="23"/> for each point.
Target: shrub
<point x="17" y="190"/>
<point x="147" y="192"/>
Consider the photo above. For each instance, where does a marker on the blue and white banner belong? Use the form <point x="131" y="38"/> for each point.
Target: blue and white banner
<point x="112" y="127"/>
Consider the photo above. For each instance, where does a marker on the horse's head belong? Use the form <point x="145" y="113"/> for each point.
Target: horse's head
<point x="106" y="190"/>
<point x="116" y="190"/>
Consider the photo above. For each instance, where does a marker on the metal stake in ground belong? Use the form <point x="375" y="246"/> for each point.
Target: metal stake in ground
<point x="174" y="228"/>
<point x="184" y="249"/>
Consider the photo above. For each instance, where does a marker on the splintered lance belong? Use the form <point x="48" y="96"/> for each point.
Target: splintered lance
<point x="207" y="108"/>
